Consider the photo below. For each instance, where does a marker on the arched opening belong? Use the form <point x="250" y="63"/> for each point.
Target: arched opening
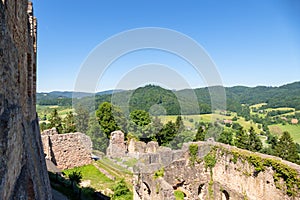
<point x="146" y="189"/>
<point x="225" y="195"/>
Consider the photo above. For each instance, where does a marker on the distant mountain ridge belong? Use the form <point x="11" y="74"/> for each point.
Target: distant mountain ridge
<point x="287" y="95"/>
<point x="69" y="94"/>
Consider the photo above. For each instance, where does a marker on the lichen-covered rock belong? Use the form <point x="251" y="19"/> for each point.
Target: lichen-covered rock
<point x="23" y="173"/>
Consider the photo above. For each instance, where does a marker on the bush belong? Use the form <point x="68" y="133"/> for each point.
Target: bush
<point x="75" y="177"/>
<point x="193" y="150"/>
<point x="159" y="173"/>
<point x="121" y="191"/>
<point x="179" y="195"/>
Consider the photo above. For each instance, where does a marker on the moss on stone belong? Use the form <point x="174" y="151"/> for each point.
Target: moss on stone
<point x="281" y="170"/>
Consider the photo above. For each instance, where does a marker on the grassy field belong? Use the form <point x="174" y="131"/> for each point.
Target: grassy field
<point x="98" y="180"/>
<point x="46" y="110"/>
<point x="281" y="108"/>
<point x="294" y="130"/>
<point x="271" y="109"/>
<point x="189" y="120"/>
<point x="258" y="105"/>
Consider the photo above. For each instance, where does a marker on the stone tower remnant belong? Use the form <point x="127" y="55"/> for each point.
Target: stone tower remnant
<point x="23" y="173"/>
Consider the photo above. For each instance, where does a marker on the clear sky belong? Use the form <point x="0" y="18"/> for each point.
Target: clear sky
<point x="251" y="42"/>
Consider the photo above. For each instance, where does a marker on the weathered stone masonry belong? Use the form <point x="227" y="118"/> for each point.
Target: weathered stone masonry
<point x="213" y="171"/>
<point x="237" y="174"/>
<point x="67" y="150"/>
<point x="23" y="173"/>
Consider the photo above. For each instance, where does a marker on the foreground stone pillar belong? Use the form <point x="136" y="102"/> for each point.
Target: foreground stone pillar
<point x="23" y="173"/>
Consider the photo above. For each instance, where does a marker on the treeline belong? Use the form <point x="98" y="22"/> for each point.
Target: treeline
<point x="51" y="101"/>
<point x="142" y="126"/>
<point x="249" y="140"/>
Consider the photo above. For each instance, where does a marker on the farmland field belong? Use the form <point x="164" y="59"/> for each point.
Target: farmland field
<point x="294" y="130"/>
<point x="189" y="120"/>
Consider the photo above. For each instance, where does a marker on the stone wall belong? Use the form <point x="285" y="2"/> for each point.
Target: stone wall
<point x="236" y="175"/>
<point x="118" y="147"/>
<point x="23" y="173"/>
<point x="67" y="150"/>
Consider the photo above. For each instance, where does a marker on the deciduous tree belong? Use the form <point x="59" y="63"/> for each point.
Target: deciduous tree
<point x="111" y="118"/>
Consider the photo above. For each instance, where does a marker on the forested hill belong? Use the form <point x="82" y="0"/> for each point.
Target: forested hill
<point x="283" y="96"/>
<point x="189" y="100"/>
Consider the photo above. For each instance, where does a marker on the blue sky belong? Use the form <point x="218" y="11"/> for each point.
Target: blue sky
<point x="251" y="42"/>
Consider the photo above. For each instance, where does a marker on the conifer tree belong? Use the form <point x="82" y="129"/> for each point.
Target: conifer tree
<point x="179" y="124"/>
<point x="200" y="135"/>
<point x="241" y="139"/>
<point x="167" y="133"/>
<point x="55" y="121"/>
<point x="99" y="139"/>
<point x="226" y="137"/>
<point x="81" y="118"/>
<point x="69" y="123"/>
<point x="255" y="143"/>
<point x="287" y="149"/>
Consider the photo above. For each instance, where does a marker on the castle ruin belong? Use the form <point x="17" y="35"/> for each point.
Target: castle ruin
<point x="207" y="170"/>
<point x="67" y="150"/>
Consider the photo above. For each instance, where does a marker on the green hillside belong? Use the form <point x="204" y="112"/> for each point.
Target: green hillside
<point x="188" y="101"/>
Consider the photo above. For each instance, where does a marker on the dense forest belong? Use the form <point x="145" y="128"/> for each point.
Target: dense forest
<point x="159" y="101"/>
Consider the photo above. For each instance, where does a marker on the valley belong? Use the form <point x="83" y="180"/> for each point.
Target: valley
<point x="257" y="127"/>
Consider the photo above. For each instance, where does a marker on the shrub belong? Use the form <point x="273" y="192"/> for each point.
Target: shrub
<point x="179" y="195"/>
<point x="159" y="173"/>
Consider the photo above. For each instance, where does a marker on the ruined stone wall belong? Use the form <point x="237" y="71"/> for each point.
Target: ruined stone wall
<point x="67" y="150"/>
<point x="119" y="148"/>
<point x="237" y="174"/>
<point x="23" y="173"/>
